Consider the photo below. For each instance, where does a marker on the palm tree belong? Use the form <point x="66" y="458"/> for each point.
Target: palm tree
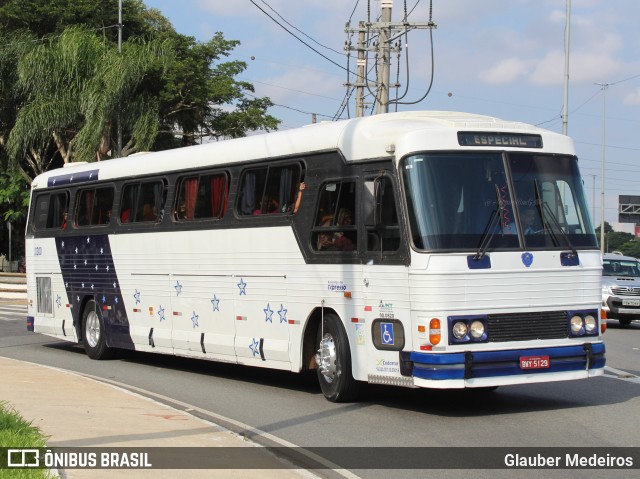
<point x="74" y="87"/>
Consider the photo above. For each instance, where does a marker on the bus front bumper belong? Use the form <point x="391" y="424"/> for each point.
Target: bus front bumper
<point x="494" y="368"/>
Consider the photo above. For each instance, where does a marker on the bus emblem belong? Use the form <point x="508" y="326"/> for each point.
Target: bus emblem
<point x="527" y="259"/>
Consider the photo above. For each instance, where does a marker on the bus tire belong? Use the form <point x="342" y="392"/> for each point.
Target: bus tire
<point x="334" y="361"/>
<point x="94" y="336"/>
<point x="624" y="322"/>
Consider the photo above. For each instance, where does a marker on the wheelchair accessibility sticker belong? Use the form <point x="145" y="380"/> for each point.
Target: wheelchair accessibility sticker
<point x="386" y="334"/>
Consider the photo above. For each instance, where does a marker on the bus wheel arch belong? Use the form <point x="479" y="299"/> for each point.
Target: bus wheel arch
<point x="94" y="336"/>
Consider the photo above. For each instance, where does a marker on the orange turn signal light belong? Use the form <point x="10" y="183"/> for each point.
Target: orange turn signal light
<point x="435" y="334"/>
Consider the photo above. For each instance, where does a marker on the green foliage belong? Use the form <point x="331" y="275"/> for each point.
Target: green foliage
<point x="615" y="240"/>
<point x="75" y="85"/>
<point x="198" y="90"/>
<point x="64" y="88"/>
<point x="52" y="17"/>
<point x="14" y="196"/>
<point x="16" y="432"/>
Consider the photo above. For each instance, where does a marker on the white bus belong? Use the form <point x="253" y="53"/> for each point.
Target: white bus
<point x="427" y="249"/>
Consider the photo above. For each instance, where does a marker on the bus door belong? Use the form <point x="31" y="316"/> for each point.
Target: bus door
<point x="386" y="292"/>
<point x="203" y="321"/>
<point x="262" y="329"/>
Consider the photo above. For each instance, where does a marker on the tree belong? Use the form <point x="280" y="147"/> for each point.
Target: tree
<point x="74" y="86"/>
<point x="60" y="87"/>
<point x="198" y="91"/>
<point x="631" y="248"/>
<point x="45" y="18"/>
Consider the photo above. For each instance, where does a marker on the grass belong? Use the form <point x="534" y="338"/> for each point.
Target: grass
<point x="18" y="433"/>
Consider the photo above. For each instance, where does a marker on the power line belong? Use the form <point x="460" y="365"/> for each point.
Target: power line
<point x="296" y="37"/>
<point x="297" y="29"/>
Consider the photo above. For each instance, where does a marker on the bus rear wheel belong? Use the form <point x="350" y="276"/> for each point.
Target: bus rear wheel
<point x="94" y="336"/>
<point x="334" y="361"/>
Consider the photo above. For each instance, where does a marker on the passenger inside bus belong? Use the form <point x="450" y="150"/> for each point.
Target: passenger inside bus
<point x="149" y="213"/>
<point x="340" y="241"/>
<point x="268" y="205"/>
<point x="337" y="241"/>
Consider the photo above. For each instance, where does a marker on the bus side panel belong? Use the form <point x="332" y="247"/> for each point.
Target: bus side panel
<point x="48" y="302"/>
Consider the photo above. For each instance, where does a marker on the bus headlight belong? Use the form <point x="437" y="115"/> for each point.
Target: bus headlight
<point x="590" y="324"/>
<point x="467" y="329"/>
<point x="460" y="330"/>
<point x="576" y="325"/>
<point x="477" y="329"/>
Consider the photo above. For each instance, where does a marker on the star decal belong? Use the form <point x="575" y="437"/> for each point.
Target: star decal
<point x="268" y="312"/>
<point x="194" y="318"/>
<point x="178" y="287"/>
<point x="215" y="302"/>
<point x="242" y="285"/>
<point x="254" y="347"/>
<point x="88" y="240"/>
<point x="136" y="296"/>
<point x="161" y="313"/>
<point x="104" y="299"/>
<point x="59" y="301"/>
<point x="283" y="314"/>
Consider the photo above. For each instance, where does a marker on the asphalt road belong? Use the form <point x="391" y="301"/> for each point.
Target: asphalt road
<point x="601" y="412"/>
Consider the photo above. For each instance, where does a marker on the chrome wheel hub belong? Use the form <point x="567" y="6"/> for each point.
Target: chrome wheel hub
<point x="92" y="329"/>
<point x="326" y="358"/>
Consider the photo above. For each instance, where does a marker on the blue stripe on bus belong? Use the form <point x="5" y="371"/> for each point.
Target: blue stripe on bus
<point x="483" y="364"/>
<point x="88" y="270"/>
<point x="73" y="178"/>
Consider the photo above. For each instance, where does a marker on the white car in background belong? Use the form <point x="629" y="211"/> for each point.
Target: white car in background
<point x="621" y="287"/>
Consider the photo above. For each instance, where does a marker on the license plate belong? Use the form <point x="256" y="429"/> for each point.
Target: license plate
<point x="631" y="302"/>
<point x="534" y="362"/>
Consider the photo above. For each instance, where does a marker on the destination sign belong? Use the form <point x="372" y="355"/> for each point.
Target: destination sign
<point x="517" y="140"/>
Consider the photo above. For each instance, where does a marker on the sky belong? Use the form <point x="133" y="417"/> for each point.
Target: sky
<point x="503" y="58"/>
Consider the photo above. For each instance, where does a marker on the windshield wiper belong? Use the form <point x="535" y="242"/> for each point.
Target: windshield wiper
<point x="549" y="221"/>
<point x="489" y="231"/>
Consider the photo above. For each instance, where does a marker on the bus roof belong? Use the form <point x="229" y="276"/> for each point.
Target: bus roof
<point x="358" y="139"/>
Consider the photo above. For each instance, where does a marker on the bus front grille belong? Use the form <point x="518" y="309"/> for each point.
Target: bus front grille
<point x="527" y="326"/>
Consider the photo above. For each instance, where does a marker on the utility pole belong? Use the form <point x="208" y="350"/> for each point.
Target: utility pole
<point x="385" y="30"/>
<point x="384" y="58"/>
<point x="604" y="87"/>
<point x="120" y="100"/>
<point x="362" y="73"/>
<point x="565" y="108"/>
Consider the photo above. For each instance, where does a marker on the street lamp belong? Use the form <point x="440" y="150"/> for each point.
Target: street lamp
<point x="603" y="87"/>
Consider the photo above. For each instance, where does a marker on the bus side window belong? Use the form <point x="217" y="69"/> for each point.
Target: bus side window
<point x="269" y="190"/>
<point x="94" y="206"/>
<point x="57" y="216"/>
<point x="381" y="218"/>
<point x="335" y="228"/>
<point x="202" y="197"/>
<point x="142" y="202"/>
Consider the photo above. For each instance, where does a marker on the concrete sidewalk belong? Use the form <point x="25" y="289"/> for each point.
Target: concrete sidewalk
<point x="13" y="286"/>
<point x="76" y="411"/>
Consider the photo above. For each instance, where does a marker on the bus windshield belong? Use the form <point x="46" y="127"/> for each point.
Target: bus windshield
<point x="458" y="200"/>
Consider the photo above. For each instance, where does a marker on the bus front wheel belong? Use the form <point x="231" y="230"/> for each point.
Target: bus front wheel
<point x="334" y="361"/>
<point x="93" y="333"/>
